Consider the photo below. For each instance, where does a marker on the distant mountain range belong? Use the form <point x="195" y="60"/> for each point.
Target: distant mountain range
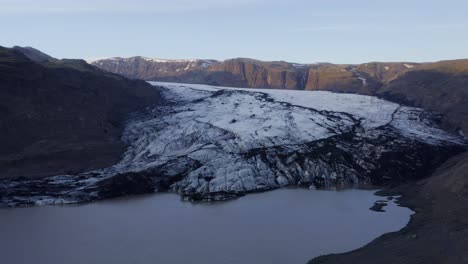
<point x="439" y="86"/>
<point x="243" y="72"/>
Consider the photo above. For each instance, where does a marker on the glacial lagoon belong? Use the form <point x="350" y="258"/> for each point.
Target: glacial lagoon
<point x="281" y="226"/>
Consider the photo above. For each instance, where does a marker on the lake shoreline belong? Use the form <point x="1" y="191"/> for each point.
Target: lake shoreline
<point x="8" y="202"/>
<point x="154" y="228"/>
<point x="436" y="233"/>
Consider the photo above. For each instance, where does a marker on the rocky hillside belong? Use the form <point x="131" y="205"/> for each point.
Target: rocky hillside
<point x="243" y="72"/>
<point x="59" y="116"/>
<point x="269" y="74"/>
<point x="440" y="86"/>
<point x="153" y="69"/>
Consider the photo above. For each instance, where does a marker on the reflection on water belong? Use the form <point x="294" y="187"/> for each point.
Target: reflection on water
<point x="282" y="226"/>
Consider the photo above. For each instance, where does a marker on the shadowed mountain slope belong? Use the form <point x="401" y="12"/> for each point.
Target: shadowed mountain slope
<point x="59" y="116"/>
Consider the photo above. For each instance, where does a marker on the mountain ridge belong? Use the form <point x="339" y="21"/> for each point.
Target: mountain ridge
<point x="59" y="116"/>
<point x="248" y="72"/>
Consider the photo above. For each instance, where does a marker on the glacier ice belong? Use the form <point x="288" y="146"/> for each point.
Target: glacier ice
<point x="214" y="143"/>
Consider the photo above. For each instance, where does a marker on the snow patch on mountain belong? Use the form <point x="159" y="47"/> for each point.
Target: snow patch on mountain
<point x="363" y="80"/>
<point x="167" y="60"/>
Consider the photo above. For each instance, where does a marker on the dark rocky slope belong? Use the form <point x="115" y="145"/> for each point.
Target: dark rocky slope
<point x="62" y="116"/>
<point x="440" y="86"/>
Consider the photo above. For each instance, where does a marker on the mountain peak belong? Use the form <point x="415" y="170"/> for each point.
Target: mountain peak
<point x="34" y="54"/>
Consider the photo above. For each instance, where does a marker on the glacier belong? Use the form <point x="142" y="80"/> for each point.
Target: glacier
<point x="216" y="143"/>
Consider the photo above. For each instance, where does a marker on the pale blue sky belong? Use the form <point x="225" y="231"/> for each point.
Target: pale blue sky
<point x="304" y="31"/>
